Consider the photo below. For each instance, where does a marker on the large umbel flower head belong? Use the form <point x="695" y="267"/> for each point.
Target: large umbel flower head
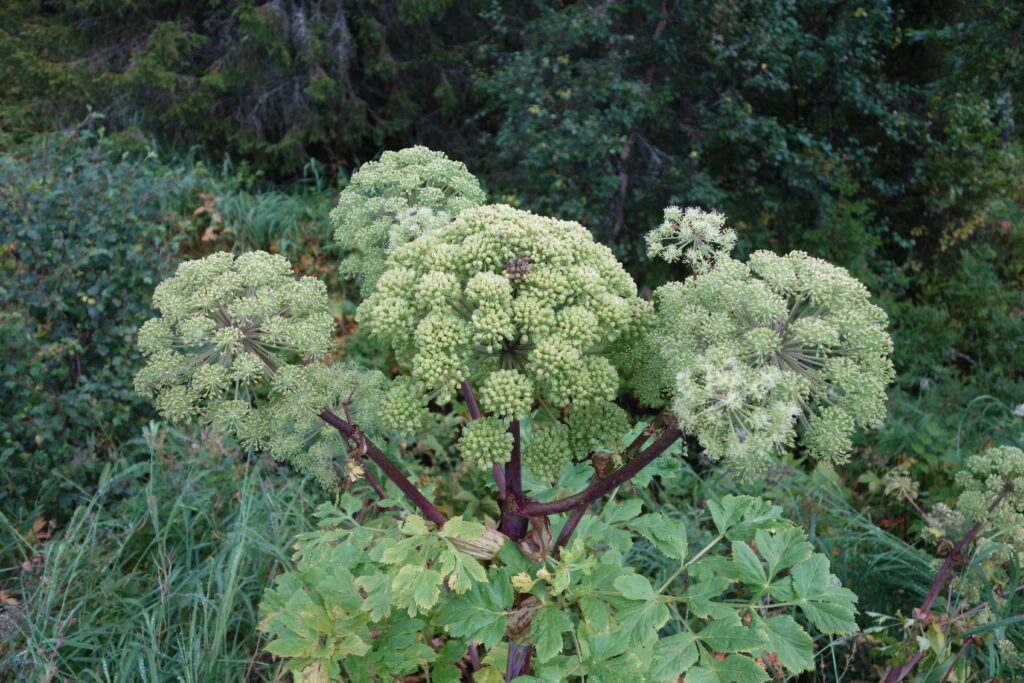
<point x="983" y="478"/>
<point x="392" y="201"/>
<point x="698" y="237"/>
<point x="750" y="354"/>
<point x="238" y="345"/>
<point x="520" y="305"/>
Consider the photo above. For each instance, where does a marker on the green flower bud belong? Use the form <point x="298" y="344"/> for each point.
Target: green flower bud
<point x="391" y="202"/>
<point x="485" y="442"/>
<point x="547" y="451"/>
<point x="507" y="393"/>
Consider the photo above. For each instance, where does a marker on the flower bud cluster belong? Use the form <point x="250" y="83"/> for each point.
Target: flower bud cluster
<point x="224" y="322"/>
<point x="982" y="479"/>
<point x="236" y="346"/>
<point x="749" y="353"/>
<point x="522" y="306"/>
<point x="392" y="201"/>
<point x="486" y="442"/>
<point x="548" y="450"/>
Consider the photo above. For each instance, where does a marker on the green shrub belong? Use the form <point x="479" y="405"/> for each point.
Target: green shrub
<point x="83" y="242"/>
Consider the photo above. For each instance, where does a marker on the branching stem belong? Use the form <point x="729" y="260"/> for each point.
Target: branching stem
<point x="599" y="487"/>
<point x="389" y="469"/>
<point x="898" y="673"/>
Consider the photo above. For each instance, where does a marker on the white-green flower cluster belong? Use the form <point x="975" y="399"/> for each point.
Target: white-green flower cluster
<point x="981" y="480"/>
<point x="520" y="305"/>
<point x="747" y="352"/>
<point x="231" y="349"/>
<point x="698" y="237"/>
<point x="287" y="423"/>
<point x="486" y="442"/>
<point x="223" y="321"/>
<point x="597" y="427"/>
<point x="548" y="450"/>
<point x="507" y="393"/>
<point x="392" y="201"/>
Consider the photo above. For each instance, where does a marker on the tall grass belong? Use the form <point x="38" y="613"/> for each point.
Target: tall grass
<point x="158" y="575"/>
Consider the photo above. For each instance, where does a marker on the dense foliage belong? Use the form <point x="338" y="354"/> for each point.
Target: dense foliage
<point x="882" y="137"/>
<point x="74" y="292"/>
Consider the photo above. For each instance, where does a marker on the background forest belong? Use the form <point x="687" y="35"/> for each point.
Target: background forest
<point x="883" y="136"/>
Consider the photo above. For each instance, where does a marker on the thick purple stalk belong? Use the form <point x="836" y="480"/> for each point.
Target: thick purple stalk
<point x="514" y="467"/>
<point x="599" y="487"/>
<point x="519" y="656"/>
<point x="389" y="469"/>
<point x="467" y="393"/>
<point x="513" y="524"/>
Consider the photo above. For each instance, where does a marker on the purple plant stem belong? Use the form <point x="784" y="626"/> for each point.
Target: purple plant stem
<point x="389" y="469"/>
<point x="568" y="528"/>
<point x="513" y="524"/>
<point x="514" y="467"/>
<point x="374" y="484"/>
<point x="600" y="487"/>
<point x="467" y="393"/>
<point x="519" y="656"/>
<point x="578" y="513"/>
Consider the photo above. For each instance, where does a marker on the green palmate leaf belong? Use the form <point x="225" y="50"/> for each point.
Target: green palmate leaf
<point x="415" y="525"/>
<point x="603" y="656"/>
<point x="714" y="567"/>
<point x="700" y="598"/>
<point x="378" y="595"/>
<point x="640" y="621"/>
<point x="399" y="649"/>
<point x="729" y="635"/>
<point x="416" y="588"/>
<point x="635" y="587"/>
<point x="595" y="612"/>
<point x="783" y="549"/>
<point x="748" y="566"/>
<point x="480" y="616"/>
<point x="790" y="643"/>
<point x="350" y="504"/>
<point x="621" y="511"/>
<point x="546" y="631"/>
<point x="733" y="669"/>
<point x="831" y="608"/>
<point x="673" y="656"/>
<point x="405" y="551"/>
<point x="738" y="517"/>
<point x="666" y="534"/>
<point x="460" y="569"/>
<point x="444" y="670"/>
<point x="292" y="646"/>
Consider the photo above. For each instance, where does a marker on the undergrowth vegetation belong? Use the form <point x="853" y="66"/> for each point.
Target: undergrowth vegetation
<point x="883" y="138"/>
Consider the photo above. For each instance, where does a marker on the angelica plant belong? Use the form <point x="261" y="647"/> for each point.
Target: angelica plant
<point x="530" y="334"/>
<point x="988" y="513"/>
